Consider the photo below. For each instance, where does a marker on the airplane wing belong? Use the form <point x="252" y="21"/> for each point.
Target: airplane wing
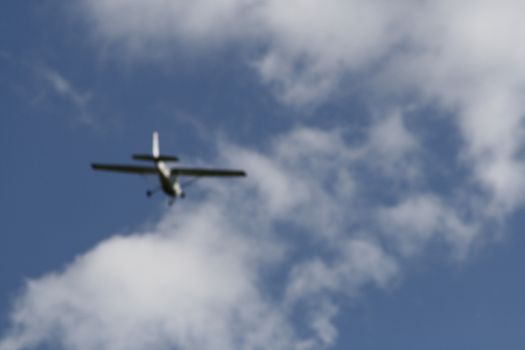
<point x="131" y="169"/>
<point x="207" y="172"/>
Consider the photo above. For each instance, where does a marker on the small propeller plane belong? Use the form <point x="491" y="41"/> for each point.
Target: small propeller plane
<point x="168" y="176"/>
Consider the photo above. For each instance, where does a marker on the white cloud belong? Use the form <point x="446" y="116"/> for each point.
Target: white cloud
<point x="418" y="220"/>
<point x="191" y="285"/>
<point x="150" y="27"/>
<point x="190" y="282"/>
<point x="461" y="56"/>
<point x="391" y="139"/>
<point x="305" y="178"/>
<point x="359" y="263"/>
<point x="309" y="44"/>
<point x="62" y="87"/>
<point x="394" y="150"/>
<point x="202" y="277"/>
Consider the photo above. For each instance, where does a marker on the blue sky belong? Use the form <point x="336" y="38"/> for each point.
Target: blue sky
<point x="383" y="144"/>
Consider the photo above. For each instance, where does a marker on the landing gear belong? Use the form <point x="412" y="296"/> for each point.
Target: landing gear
<point x="150" y="193"/>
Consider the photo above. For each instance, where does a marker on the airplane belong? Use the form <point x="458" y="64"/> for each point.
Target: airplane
<point x="168" y="176"/>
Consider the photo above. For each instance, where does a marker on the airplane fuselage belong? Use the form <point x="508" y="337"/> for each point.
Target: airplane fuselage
<point x="169" y="184"/>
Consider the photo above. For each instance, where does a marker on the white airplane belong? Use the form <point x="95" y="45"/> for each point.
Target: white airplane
<point x="168" y="176"/>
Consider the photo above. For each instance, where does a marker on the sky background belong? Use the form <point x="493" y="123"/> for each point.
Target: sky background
<point x="383" y="143"/>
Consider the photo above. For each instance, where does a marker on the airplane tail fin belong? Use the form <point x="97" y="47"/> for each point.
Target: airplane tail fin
<point x="155" y="145"/>
<point x="155" y="155"/>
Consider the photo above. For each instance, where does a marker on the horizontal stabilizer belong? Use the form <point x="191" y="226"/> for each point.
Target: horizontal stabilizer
<point x="131" y="169"/>
<point x="161" y="157"/>
<point x="206" y="172"/>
